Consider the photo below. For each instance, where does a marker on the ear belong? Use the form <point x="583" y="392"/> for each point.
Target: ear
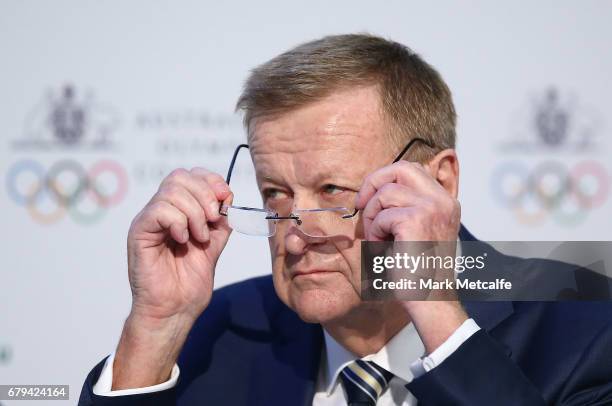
<point x="444" y="167"/>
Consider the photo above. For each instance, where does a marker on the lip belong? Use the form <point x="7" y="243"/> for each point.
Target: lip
<point x="311" y="272"/>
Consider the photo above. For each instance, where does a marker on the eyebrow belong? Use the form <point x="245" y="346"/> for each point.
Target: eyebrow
<point x="333" y="170"/>
<point x="332" y="178"/>
<point x="269" y="178"/>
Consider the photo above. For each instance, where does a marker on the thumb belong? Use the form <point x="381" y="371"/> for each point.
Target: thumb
<point x="221" y="230"/>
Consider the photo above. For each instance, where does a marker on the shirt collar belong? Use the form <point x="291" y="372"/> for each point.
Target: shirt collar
<point x="396" y="356"/>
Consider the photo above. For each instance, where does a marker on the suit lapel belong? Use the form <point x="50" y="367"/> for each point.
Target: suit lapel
<point x="487" y="314"/>
<point x="286" y="374"/>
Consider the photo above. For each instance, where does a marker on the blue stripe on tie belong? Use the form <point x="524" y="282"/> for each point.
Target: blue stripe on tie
<point x="373" y="371"/>
<point x="386" y="374"/>
<point x="353" y="377"/>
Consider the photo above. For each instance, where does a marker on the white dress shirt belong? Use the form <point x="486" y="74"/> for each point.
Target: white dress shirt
<point x="403" y="355"/>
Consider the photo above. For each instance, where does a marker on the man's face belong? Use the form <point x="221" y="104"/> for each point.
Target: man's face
<point x="317" y="156"/>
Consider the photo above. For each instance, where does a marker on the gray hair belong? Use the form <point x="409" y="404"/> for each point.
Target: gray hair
<point x="415" y="99"/>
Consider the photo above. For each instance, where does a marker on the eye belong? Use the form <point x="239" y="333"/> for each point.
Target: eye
<point x="332" y="189"/>
<point x="273" y="194"/>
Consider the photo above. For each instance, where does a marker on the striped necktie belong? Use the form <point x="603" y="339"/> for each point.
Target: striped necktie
<point x="364" y="382"/>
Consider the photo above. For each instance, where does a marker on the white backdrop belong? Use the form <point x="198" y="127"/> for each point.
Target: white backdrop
<point x="148" y="86"/>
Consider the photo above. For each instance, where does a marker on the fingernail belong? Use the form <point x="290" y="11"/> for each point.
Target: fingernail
<point x="185" y="236"/>
<point x="205" y="233"/>
<point x="221" y="188"/>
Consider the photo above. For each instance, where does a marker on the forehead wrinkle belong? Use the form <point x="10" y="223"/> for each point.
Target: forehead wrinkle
<point x="338" y="136"/>
<point x="292" y="135"/>
<point x="313" y="160"/>
<point x="305" y="173"/>
<point x="265" y="170"/>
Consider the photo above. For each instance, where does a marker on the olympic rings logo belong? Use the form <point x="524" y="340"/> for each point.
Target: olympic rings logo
<point x="51" y="183"/>
<point x="551" y="188"/>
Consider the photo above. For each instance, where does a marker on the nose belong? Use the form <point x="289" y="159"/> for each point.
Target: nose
<point x="296" y="242"/>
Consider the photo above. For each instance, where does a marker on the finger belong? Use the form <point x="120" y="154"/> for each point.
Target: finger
<point x="194" y="182"/>
<point x="406" y="173"/>
<point x="162" y="215"/>
<point x="217" y="182"/>
<point x="388" y="196"/>
<point x="222" y="224"/>
<point x="221" y="230"/>
<point x="209" y="188"/>
<point x="204" y="194"/>
<point x="387" y="221"/>
<point x="179" y="197"/>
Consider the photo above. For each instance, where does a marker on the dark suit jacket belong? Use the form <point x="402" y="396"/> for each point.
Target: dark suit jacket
<point x="248" y="348"/>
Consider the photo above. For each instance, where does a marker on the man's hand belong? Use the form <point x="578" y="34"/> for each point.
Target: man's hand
<point x="173" y="246"/>
<point x="404" y="202"/>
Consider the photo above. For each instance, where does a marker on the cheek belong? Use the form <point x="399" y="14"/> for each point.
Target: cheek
<point x="277" y="254"/>
<point x="352" y="256"/>
<point x="359" y="233"/>
<point x="279" y="276"/>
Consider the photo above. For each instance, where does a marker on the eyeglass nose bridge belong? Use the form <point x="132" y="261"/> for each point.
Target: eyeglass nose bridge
<point x="291" y="216"/>
<point x="298" y="220"/>
<point x="296" y="216"/>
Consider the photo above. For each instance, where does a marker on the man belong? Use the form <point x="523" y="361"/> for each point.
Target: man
<point x="324" y="122"/>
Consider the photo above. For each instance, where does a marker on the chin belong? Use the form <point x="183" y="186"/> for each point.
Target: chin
<point x="322" y="305"/>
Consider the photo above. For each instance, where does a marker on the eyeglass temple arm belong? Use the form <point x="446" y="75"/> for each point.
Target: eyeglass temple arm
<point x="407" y="147"/>
<point x="401" y="154"/>
<point x="231" y="167"/>
<point x="230" y="170"/>
<point x="397" y="159"/>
